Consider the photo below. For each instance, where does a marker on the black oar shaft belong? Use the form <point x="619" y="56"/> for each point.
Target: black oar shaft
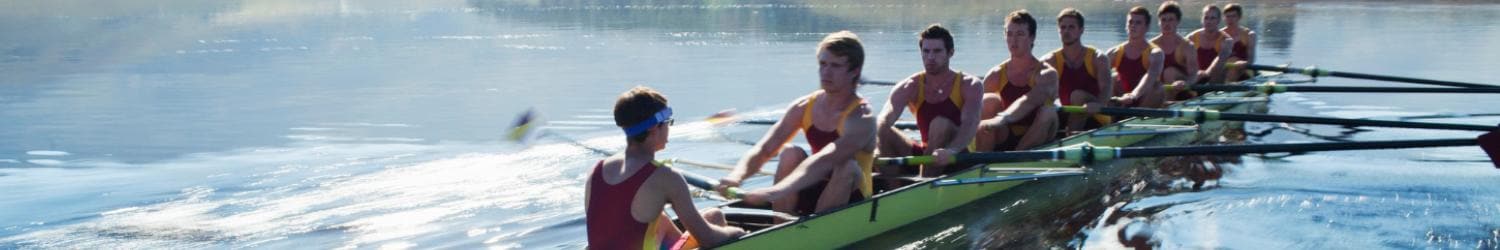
<point x="1341" y="89"/>
<point x="900" y="124"/>
<point x="1290" y="119"/>
<point x="1313" y="71"/>
<point x="1130" y="152"/>
<point x="1012" y="156"/>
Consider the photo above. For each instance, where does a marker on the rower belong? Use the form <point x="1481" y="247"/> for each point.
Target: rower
<point x="1082" y="78"/>
<point x="945" y="102"/>
<point x="1242" y="53"/>
<point x="1137" y="64"/>
<point x="840" y="129"/>
<point x="1209" y="42"/>
<point x="1179" y="54"/>
<point x="1023" y="88"/>
<point x="626" y="192"/>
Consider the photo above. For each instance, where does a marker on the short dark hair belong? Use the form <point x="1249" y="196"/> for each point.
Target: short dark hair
<point x="936" y="31"/>
<point x="1170" y="7"/>
<point x="638" y="105"/>
<point x="1138" y="10"/>
<point x="1213" y="8"/>
<point x="1071" y="13"/>
<point x="1021" y="16"/>
<point x="1233" y="7"/>
<point x="846" y="44"/>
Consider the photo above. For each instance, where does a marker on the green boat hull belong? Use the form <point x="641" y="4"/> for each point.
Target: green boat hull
<point x="894" y="209"/>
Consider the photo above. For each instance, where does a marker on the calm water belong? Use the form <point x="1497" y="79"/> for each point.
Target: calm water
<point x="327" y="124"/>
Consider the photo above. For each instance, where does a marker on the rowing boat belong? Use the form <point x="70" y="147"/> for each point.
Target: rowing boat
<point x="1058" y="183"/>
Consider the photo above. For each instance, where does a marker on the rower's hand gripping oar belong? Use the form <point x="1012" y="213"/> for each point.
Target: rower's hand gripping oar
<point x="1314" y="71"/>
<point x="1086" y="153"/>
<point x="1202" y="115"/>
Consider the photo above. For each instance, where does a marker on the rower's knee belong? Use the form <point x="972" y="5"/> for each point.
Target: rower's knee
<point x="940" y="131"/>
<point x="714" y="216"/>
<point x="1047" y="120"/>
<point x="790" y="157"/>
<point x="991" y="107"/>
<point x="1079" y="97"/>
<point x="1173" y="74"/>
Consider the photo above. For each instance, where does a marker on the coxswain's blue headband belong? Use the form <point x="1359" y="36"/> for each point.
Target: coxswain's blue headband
<point x="660" y="117"/>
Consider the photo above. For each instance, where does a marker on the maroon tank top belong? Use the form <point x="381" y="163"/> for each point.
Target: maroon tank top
<point x="1009" y="93"/>
<point x="818" y="138"/>
<point x="948" y="108"/>
<point x="608" y="219"/>
<point x="1075" y="78"/>
<point x="1130" y="71"/>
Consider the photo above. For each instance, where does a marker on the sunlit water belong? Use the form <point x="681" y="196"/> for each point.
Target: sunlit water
<point x="328" y="124"/>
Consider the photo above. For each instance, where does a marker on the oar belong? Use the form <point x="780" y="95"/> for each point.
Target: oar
<point x="524" y="127"/>
<point x="705" y="183"/>
<point x="1273" y="88"/>
<point x="907" y="125"/>
<point x="1085" y="153"/>
<point x="877" y="83"/>
<point x="1201" y="115"/>
<point x="1314" y="71"/>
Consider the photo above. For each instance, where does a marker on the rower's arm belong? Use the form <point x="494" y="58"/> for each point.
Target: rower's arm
<point x="670" y="183"/>
<point x="901" y="95"/>
<point x="1250" y="47"/>
<point x="973" y="94"/>
<point x="859" y="130"/>
<point x="1152" y="80"/>
<point x="1192" y="62"/>
<point x="1041" y="94"/>
<point x="1106" y="81"/>
<point x="770" y="144"/>
<point x="1216" y="68"/>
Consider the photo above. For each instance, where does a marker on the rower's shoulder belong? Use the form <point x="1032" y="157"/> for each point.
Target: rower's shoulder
<point x="1047" y="72"/>
<point x="1114" y="49"/>
<point x="1049" y="56"/>
<point x="910" y="80"/>
<point x="1194" y="33"/>
<point x="996" y="69"/>
<point x="666" y="180"/>
<point x="971" y="78"/>
<point x="612" y="161"/>
<point x="801" y="102"/>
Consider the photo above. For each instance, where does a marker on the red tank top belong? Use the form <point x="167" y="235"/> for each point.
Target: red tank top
<point x="1207" y="54"/>
<point x="1130" y="71"/>
<point x="1172" y="61"/>
<point x="1240" y="49"/>
<point x="948" y="108"/>
<point x="608" y="219"/>
<point x="1009" y="93"/>
<point x="1075" y="78"/>
<point x="818" y="138"/>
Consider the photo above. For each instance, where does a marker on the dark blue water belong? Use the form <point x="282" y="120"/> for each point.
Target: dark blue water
<point x="281" y="124"/>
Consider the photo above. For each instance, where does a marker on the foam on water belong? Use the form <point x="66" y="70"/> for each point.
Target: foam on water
<point x="47" y="153"/>
<point x="362" y="198"/>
